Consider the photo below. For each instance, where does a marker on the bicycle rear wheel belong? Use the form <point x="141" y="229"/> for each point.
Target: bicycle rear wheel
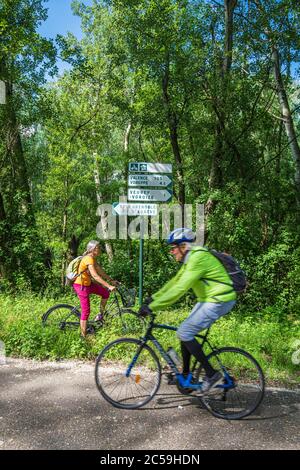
<point x="62" y="316"/>
<point x="127" y="373"/>
<point x="243" y="385"/>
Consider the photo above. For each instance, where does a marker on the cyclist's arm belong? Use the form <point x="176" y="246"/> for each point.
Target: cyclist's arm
<point x="102" y="273"/>
<point x="183" y="281"/>
<point x="96" y="277"/>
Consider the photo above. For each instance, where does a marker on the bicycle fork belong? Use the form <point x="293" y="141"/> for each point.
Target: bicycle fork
<point x="134" y="359"/>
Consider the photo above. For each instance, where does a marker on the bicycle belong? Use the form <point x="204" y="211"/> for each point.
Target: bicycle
<point x="66" y="316"/>
<point x="134" y="382"/>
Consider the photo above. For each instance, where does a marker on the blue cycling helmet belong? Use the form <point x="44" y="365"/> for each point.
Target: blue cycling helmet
<point x="181" y="235"/>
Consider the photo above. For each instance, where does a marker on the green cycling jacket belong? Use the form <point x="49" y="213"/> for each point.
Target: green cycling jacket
<point x="197" y="264"/>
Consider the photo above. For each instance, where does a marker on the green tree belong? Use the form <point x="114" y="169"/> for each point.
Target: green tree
<point x="24" y="58"/>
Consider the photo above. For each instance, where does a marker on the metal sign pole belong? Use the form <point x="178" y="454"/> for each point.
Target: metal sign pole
<point x="141" y="262"/>
<point x="141" y="279"/>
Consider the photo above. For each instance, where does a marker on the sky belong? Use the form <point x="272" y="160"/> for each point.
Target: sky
<point x="60" y="21"/>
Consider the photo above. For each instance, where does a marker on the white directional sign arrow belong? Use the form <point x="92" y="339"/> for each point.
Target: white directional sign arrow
<point x="162" y="195"/>
<point x="146" y="167"/>
<point x="124" y="208"/>
<point x="149" y="180"/>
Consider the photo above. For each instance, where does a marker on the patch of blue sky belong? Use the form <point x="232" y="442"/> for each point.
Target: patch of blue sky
<point x="61" y="20"/>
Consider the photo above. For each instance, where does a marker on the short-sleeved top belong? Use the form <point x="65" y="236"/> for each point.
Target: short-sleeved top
<point x="85" y="278"/>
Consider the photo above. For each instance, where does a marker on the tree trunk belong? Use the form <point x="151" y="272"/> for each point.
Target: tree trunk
<point x="288" y="121"/>
<point x="216" y="176"/>
<point x="126" y="138"/>
<point x="220" y="105"/>
<point x="126" y="172"/>
<point x="3" y="240"/>
<point x="229" y="6"/>
<point x="16" y="203"/>
<point x="108" y="246"/>
<point x="15" y="161"/>
<point x="126" y="149"/>
<point x="173" y="130"/>
<point x="64" y="238"/>
<point x="73" y="248"/>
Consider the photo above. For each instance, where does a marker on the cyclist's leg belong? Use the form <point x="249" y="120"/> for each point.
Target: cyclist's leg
<point x="196" y="350"/>
<point x="103" y="293"/>
<point x="203" y="315"/>
<point x="186" y="358"/>
<point x="83" y="293"/>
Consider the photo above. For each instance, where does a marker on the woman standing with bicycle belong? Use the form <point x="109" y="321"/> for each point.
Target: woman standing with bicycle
<point x="89" y="271"/>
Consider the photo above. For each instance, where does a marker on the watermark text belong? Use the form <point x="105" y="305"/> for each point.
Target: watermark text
<point x="113" y="226"/>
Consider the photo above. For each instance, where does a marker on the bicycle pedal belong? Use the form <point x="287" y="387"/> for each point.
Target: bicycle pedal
<point x="90" y="330"/>
<point x="171" y="379"/>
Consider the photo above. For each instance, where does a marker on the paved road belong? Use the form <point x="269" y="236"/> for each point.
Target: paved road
<point x="57" y="406"/>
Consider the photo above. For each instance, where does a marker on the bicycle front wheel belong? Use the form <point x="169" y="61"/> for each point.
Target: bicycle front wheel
<point x="127" y="322"/>
<point x="62" y="316"/>
<point x="243" y="384"/>
<point x="127" y="373"/>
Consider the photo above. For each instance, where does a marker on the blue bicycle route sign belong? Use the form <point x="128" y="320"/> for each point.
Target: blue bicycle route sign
<point x="146" y="167"/>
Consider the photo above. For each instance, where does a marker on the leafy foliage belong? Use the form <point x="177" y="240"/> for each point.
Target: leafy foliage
<point x="151" y="81"/>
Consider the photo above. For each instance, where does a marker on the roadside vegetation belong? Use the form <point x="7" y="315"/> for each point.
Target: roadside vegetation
<point x="270" y="340"/>
<point x="209" y="87"/>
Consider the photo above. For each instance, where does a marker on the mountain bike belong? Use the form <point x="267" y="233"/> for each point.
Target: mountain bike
<point x="117" y="311"/>
<point x="128" y="375"/>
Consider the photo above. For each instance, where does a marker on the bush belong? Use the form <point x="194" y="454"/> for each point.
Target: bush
<point x="275" y="280"/>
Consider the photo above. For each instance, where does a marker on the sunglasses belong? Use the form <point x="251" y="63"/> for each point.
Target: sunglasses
<point x="173" y="248"/>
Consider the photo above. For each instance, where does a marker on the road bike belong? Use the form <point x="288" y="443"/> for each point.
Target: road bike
<point x="128" y="375"/>
<point x="117" y="311"/>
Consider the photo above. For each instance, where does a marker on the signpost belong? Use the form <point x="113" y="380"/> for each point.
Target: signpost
<point x="154" y="195"/>
<point x="149" y="180"/>
<point x="143" y="176"/>
<point x="124" y="208"/>
<point x="146" y="167"/>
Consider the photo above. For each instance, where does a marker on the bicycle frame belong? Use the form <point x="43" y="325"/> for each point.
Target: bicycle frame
<point x="76" y="310"/>
<point x="117" y="302"/>
<point x="183" y="382"/>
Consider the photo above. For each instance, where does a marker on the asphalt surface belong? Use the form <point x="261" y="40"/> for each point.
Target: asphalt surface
<point x="56" y="405"/>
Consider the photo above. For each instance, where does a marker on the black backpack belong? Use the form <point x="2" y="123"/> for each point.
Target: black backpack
<point x="235" y="272"/>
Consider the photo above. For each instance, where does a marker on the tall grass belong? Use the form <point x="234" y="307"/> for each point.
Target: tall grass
<point x="270" y="341"/>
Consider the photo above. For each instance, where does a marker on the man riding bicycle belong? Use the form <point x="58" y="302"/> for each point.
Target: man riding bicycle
<point x="206" y="275"/>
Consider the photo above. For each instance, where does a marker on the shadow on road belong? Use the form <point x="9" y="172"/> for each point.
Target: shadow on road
<point x="59" y="407"/>
<point x="275" y="405"/>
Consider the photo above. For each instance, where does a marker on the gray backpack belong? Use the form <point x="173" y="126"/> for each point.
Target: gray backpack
<point x="235" y="272"/>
